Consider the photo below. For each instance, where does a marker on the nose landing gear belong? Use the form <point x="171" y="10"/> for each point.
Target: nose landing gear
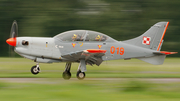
<point x="35" y="69"/>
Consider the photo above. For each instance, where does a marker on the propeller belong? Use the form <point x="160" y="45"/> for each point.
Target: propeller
<point x="12" y="40"/>
<point x="14" y="29"/>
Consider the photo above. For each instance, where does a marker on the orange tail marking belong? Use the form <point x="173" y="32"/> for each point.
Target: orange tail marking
<point x="163" y="36"/>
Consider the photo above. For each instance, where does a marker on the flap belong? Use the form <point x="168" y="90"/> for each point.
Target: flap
<point x="91" y="56"/>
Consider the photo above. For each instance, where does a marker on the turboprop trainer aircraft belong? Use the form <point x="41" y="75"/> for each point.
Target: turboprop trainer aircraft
<point x="89" y="47"/>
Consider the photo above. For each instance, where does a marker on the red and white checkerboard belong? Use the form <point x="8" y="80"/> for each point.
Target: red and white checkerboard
<point x="146" y="40"/>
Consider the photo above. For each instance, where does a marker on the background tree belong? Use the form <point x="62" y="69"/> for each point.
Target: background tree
<point x="120" y="19"/>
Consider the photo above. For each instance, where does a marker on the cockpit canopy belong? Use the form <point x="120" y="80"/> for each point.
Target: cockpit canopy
<point x="83" y="35"/>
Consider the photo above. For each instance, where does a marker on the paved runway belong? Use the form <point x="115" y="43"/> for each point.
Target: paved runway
<point x="59" y="80"/>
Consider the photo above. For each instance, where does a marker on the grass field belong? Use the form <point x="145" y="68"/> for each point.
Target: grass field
<point x="90" y="91"/>
<point x="20" y="67"/>
<point x="54" y="88"/>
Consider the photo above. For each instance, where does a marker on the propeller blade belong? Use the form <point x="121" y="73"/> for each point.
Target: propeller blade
<point x="14" y="30"/>
<point x="12" y="40"/>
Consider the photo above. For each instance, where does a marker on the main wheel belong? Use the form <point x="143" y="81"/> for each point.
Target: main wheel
<point x="66" y="75"/>
<point x="80" y="75"/>
<point x="35" y="70"/>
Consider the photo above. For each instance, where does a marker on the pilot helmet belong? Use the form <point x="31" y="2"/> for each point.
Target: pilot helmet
<point x="74" y="36"/>
<point x="98" y="37"/>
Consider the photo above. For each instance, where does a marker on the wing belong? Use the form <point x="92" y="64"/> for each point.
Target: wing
<point x="91" y="56"/>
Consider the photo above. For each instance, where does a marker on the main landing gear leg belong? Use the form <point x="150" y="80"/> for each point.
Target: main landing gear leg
<point x="35" y="69"/>
<point x="81" y="70"/>
<point x="67" y="74"/>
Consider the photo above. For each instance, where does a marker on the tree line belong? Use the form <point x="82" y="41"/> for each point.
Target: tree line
<point x="120" y="19"/>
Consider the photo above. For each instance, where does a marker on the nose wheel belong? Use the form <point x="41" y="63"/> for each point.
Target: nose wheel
<point x="35" y="69"/>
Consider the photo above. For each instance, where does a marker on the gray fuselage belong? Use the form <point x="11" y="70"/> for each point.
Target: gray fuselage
<point x="48" y="50"/>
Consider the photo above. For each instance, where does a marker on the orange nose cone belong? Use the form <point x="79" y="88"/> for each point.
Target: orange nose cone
<point x="11" y="41"/>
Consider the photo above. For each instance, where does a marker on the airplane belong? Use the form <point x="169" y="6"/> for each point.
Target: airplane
<point x="88" y="47"/>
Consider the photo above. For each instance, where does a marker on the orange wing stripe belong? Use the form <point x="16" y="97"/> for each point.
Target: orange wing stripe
<point x="96" y="51"/>
<point x="163" y="36"/>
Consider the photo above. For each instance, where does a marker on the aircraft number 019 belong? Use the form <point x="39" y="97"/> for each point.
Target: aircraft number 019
<point x="119" y="50"/>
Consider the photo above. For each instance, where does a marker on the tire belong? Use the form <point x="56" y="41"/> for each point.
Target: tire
<point x="80" y="75"/>
<point x="66" y="75"/>
<point x="35" y="70"/>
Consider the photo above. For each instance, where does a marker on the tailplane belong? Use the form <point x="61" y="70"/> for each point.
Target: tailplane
<point x="155" y="60"/>
<point x="158" y="57"/>
<point x="152" y="38"/>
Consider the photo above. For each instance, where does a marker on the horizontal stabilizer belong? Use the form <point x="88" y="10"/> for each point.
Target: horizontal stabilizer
<point x="155" y="60"/>
<point x="164" y="53"/>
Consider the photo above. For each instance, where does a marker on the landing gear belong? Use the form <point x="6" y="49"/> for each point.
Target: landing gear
<point x="81" y="70"/>
<point x="35" y="69"/>
<point x="67" y="74"/>
<point x="80" y="75"/>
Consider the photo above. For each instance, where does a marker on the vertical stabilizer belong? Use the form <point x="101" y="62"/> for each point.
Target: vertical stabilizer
<point x="152" y="38"/>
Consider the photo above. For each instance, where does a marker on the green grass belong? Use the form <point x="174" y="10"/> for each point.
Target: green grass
<point x="52" y="88"/>
<point x="20" y="67"/>
<point x="91" y="90"/>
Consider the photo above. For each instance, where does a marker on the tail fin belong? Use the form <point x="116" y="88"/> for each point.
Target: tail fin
<point x="152" y="38"/>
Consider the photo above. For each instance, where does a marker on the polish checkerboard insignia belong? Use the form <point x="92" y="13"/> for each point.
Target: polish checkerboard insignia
<point x="146" y="40"/>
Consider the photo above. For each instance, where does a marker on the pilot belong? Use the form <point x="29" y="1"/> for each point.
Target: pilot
<point x="97" y="38"/>
<point x="76" y="37"/>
